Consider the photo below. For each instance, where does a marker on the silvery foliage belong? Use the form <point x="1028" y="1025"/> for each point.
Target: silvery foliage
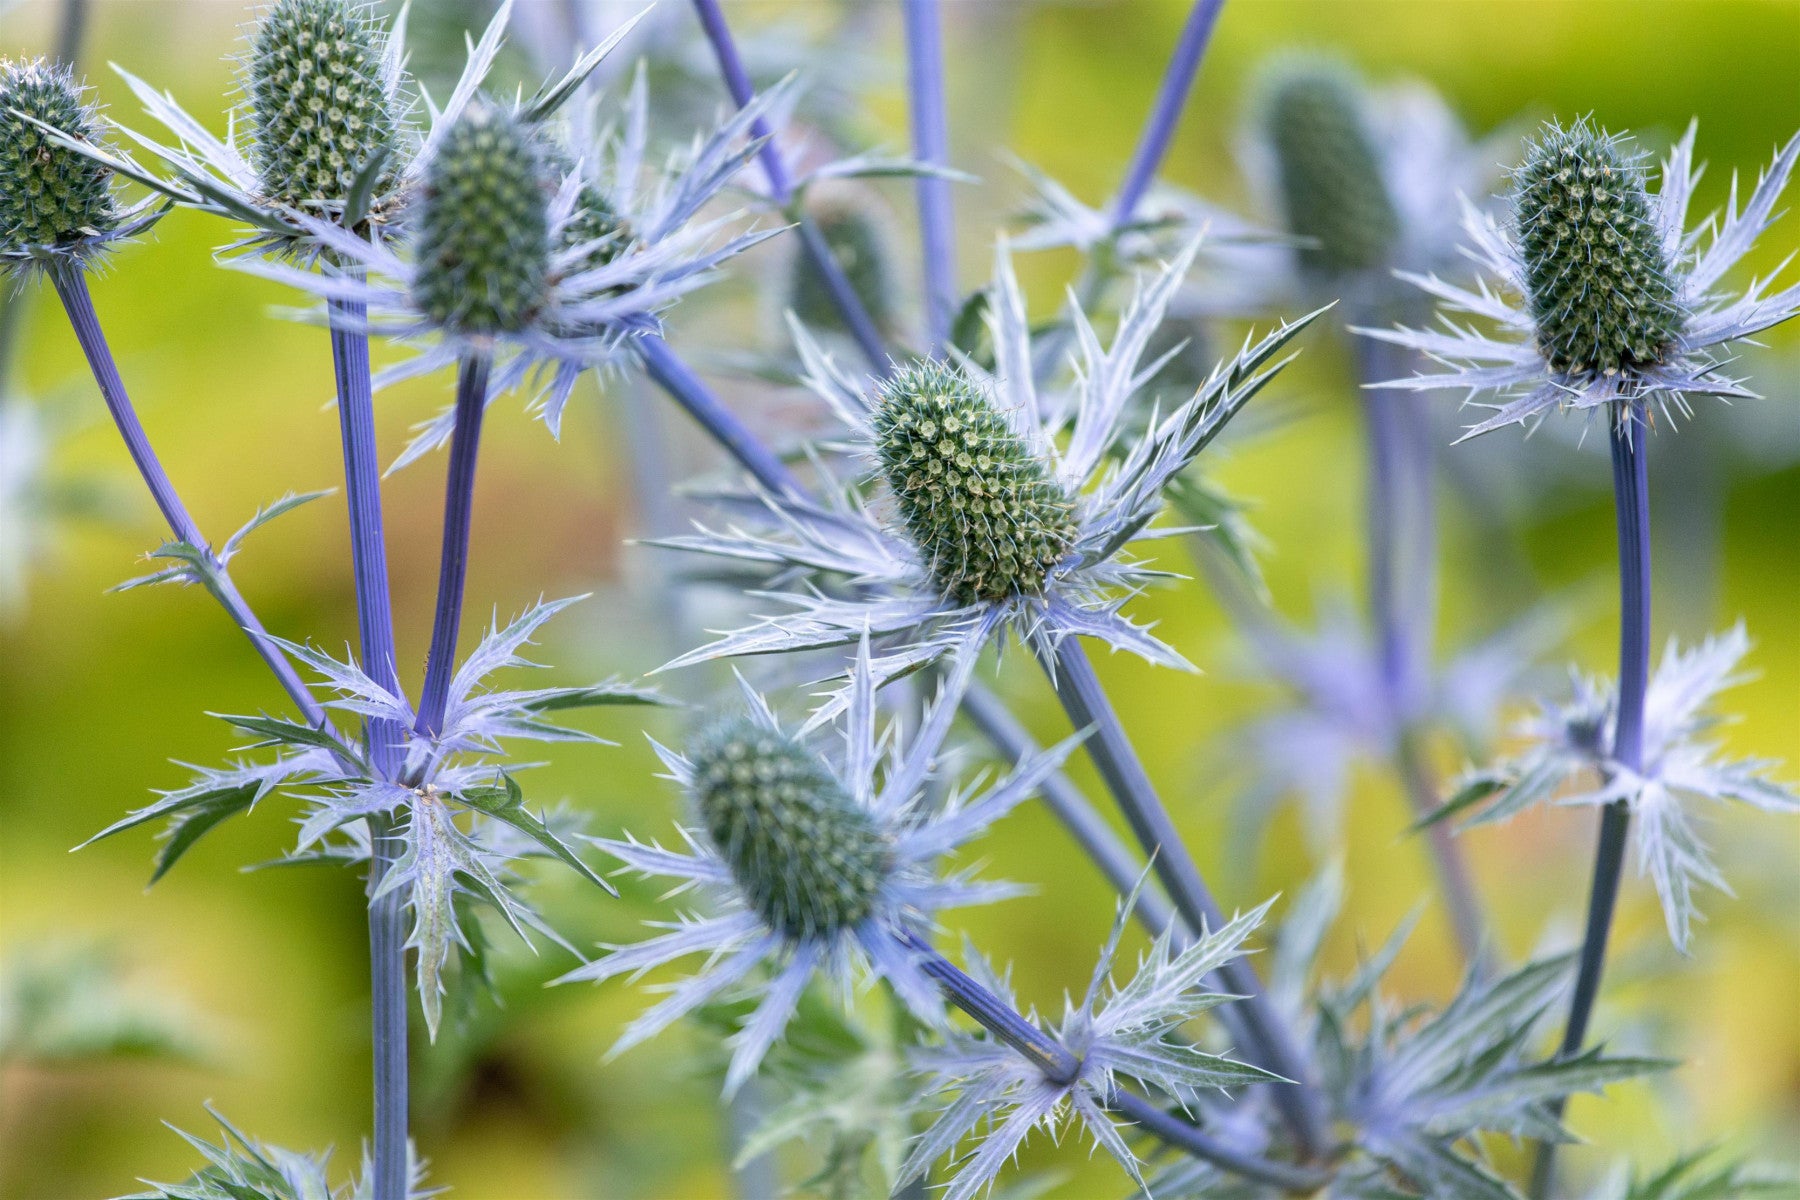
<point x="847" y="537"/>
<point x="1415" y="1090"/>
<point x="1569" y="752"/>
<point x="1116" y="1032"/>
<point x="239" y="1167"/>
<point x="885" y="773"/>
<point x="450" y="810"/>
<point x="1509" y="363"/>
<point x="1698" y="1176"/>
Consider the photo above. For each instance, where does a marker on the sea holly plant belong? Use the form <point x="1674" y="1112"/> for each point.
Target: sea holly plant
<point x="1602" y="301"/>
<point x="990" y="481"/>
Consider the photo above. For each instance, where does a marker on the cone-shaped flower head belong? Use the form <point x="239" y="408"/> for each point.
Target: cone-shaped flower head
<point x="51" y="198"/>
<point x="322" y="104"/>
<point x="483" y="246"/>
<point x="984" y="510"/>
<point x="593" y="223"/>
<point x="809" y="860"/>
<point x="1602" y="291"/>
<point x="860" y="248"/>
<point x="1332" y="184"/>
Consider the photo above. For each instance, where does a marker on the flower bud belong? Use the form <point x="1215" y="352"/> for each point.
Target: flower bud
<point x="857" y="243"/>
<point x="321" y="106"/>
<point x="1332" y="184"/>
<point x="483" y="251"/>
<point x="593" y="223"/>
<point x="809" y="860"/>
<point x="1601" y="289"/>
<point x="50" y="196"/>
<point x="977" y="502"/>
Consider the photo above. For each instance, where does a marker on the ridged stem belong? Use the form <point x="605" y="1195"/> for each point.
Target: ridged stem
<point x="453" y="563"/>
<point x="687" y="389"/>
<point x="861" y="325"/>
<point x="362" y="490"/>
<point x="375" y="623"/>
<point x="1062" y="1067"/>
<point x="1631" y="503"/>
<point x="388" y="1011"/>
<point x="931" y="146"/>
<point x="71" y="288"/>
<point x="1165" y="113"/>
<point x="1273" y="1044"/>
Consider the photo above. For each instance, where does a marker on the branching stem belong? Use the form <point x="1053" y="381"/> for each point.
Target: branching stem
<point x="453" y="564"/>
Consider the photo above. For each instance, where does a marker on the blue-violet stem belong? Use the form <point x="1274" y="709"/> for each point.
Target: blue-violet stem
<point x="930" y="137"/>
<point x="678" y="379"/>
<point x="1061" y="1067"/>
<point x="71" y="288"/>
<point x="1272" y="1043"/>
<point x="861" y="325"/>
<point x="1165" y="114"/>
<point x="388" y="1011"/>
<point x="362" y="489"/>
<point x="1631" y="503"/>
<point x="453" y="564"/>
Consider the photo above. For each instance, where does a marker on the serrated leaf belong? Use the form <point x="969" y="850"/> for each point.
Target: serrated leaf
<point x="196" y="821"/>
<point x="285" y="504"/>
<point x="506" y="803"/>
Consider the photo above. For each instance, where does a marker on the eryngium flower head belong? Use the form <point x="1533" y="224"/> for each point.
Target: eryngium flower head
<point x="860" y="247"/>
<point x="54" y="201"/>
<point x="1601" y="289"/>
<point x="1012" y="510"/>
<point x="483" y="239"/>
<point x="807" y="858"/>
<point x="981" y="507"/>
<point x="1333" y="188"/>
<point x="600" y="233"/>
<point x="322" y="102"/>
<point x="812" y="864"/>
<point x="1618" y="304"/>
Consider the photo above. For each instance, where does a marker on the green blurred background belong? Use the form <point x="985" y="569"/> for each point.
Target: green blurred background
<point x="98" y="692"/>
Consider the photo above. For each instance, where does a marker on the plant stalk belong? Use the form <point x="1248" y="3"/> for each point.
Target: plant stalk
<point x="857" y="320"/>
<point x="71" y="288"/>
<point x="1273" y="1044"/>
<point x="1631" y="503"/>
<point x="453" y="564"/>
<point x="383" y="738"/>
<point x="931" y="146"/>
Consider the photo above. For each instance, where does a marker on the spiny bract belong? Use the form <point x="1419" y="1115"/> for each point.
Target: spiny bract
<point x="1601" y="290"/>
<point x="50" y="196"/>
<point x="483" y="250"/>
<point x="321" y="107"/>
<point x="859" y="246"/>
<point x="1332" y="185"/>
<point x="975" y="499"/>
<point x="809" y="860"/>
<point x="593" y="223"/>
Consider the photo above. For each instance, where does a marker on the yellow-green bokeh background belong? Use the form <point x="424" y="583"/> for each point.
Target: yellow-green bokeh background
<point x="98" y="691"/>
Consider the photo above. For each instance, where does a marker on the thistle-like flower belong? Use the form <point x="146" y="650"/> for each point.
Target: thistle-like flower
<point x="240" y="1166"/>
<point x="1115" y="1033"/>
<point x="57" y="207"/>
<point x="982" y="522"/>
<point x="1599" y="295"/>
<point x="814" y="866"/>
<point x="546" y="262"/>
<point x="1571" y="745"/>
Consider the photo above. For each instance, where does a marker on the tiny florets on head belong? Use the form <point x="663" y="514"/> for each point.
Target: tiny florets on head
<point x="321" y="103"/>
<point x="483" y="248"/>
<point x="859" y="246"/>
<point x="978" y="502"/>
<point x="51" y="198"/>
<point x="808" y="859"/>
<point x="594" y="224"/>
<point x="1601" y="289"/>
<point x="1333" y="188"/>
